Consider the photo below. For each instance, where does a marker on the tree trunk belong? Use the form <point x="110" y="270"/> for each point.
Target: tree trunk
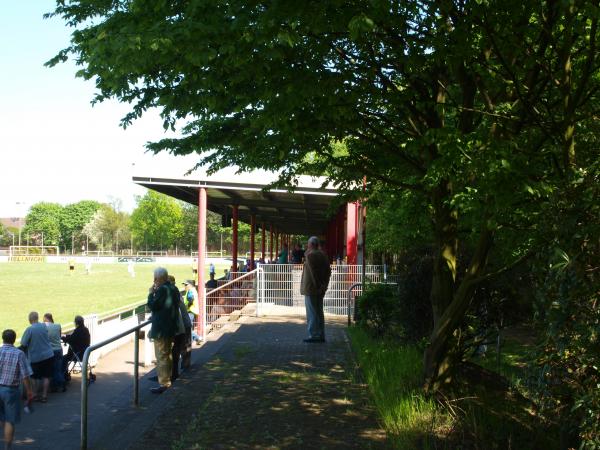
<point x="445" y="258"/>
<point x="440" y="358"/>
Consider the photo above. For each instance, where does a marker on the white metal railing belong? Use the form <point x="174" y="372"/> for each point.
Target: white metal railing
<point x="279" y="287"/>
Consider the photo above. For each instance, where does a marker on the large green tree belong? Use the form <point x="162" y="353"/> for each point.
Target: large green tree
<point x="156" y="222"/>
<point x="42" y="224"/>
<point x="73" y="218"/>
<point x="476" y="106"/>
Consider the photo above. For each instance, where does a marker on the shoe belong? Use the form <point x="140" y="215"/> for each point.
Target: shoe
<point x="159" y="389"/>
<point x="314" y="340"/>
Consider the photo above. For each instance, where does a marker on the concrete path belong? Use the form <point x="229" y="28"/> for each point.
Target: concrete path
<point x="253" y="384"/>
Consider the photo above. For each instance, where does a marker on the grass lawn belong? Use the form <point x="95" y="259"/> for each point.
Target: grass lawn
<point x="45" y="287"/>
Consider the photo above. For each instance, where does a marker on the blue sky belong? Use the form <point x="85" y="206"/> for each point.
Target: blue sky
<point x="54" y="146"/>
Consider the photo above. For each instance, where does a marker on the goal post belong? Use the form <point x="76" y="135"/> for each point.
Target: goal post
<point x="33" y="250"/>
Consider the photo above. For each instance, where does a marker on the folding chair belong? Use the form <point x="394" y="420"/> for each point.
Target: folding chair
<point x="76" y="366"/>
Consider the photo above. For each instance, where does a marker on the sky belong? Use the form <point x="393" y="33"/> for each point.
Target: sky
<point x="54" y="146"/>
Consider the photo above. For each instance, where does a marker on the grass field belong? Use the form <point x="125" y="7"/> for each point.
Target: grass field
<point x="43" y="287"/>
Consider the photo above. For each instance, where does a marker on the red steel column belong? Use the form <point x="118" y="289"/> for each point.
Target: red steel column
<point x="201" y="258"/>
<point x="262" y="242"/>
<point x="234" y="238"/>
<point x="252" y="229"/>
<point x="351" y="232"/>
<point x="271" y="242"/>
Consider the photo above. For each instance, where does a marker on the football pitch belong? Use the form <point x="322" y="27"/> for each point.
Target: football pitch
<point x="45" y="287"/>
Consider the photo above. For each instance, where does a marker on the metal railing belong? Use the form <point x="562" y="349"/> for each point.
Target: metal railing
<point x="85" y="375"/>
<point x="279" y="287"/>
<point x="350" y="289"/>
<point x="228" y="297"/>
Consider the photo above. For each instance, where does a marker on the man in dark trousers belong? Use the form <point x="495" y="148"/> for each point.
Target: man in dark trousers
<point x="162" y="301"/>
<point x="79" y="340"/>
<point x="14" y="369"/>
<point x="315" y="279"/>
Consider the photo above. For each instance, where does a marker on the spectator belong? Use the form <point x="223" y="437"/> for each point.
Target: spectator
<point x="79" y="340"/>
<point x="162" y="298"/>
<point x="193" y="307"/>
<point x="212" y="283"/>
<point x="41" y="357"/>
<point x="54" y="332"/>
<point x="211" y="269"/>
<point x="282" y="258"/>
<point x="297" y="254"/>
<point x="14" y="369"/>
<point x="181" y="342"/>
<point x="313" y="285"/>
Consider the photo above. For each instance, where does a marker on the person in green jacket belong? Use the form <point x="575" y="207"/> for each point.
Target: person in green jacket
<point x="163" y="302"/>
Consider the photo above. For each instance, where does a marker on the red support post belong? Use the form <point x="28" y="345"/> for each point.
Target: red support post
<point x="262" y="242"/>
<point x="201" y="258"/>
<point x="252" y="230"/>
<point x="271" y="242"/>
<point x="351" y="232"/>
<point x="234" y="238"/>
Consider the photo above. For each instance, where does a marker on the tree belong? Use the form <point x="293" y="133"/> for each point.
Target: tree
<point x="73" y="219"/>
<point x="157" y="221"/>
<point x="42" y="223"/>
<point x="474" y="106"/>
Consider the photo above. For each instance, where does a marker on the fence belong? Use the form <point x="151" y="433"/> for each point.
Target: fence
<point x="279" y="287"/>
<point x="231" y="296"/>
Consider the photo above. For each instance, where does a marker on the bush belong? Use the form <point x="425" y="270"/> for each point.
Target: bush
<point x="400" y="311"/>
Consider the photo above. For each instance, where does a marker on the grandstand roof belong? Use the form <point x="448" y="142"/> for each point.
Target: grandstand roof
<point x="305" y="210"/>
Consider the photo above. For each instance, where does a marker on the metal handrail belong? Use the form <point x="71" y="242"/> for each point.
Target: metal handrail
<point x="355" y="285"/>
<point x="84" y="375"/>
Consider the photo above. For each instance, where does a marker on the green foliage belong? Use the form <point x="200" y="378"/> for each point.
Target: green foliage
<point x="568" y="313"/>
<point x="400" y="311"/>
<point x="5" y="237"/>
<point x="157" y="221"/>
<point x="73" y="219"/>
<point x="107" y="226"/>
<point x="393" y="374"/>
<point x="43" y="218"/>
<point x="484" y="110"/>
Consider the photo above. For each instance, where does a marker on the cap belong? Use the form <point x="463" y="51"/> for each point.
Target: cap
<point x="189" y="282"/>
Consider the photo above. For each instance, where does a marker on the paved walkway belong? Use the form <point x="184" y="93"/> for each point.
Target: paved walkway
<point x="255" y="384"/>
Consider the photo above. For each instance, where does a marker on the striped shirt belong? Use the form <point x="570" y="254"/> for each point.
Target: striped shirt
<point x="13" y="366"/>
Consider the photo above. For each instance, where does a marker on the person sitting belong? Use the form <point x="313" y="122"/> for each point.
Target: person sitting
<point x="79" y="341"/>
<point x="212" y="283"/>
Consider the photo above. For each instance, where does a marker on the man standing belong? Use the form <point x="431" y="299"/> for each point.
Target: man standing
<point x="54" y="333"/>
<point x="13" y="370"/>
<point x="40" y="354"/>
<point x="162" y="301"/>
<point x="313" y="285"/>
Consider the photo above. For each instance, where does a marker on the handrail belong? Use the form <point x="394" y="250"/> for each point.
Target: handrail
<point x="230" y="282"/>
<point x="84" y="375"/>
<point x="118" y="311"/>
<point x="355" y="285"/>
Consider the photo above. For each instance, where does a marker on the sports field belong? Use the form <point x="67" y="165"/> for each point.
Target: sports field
<point x="44" y="287"/>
